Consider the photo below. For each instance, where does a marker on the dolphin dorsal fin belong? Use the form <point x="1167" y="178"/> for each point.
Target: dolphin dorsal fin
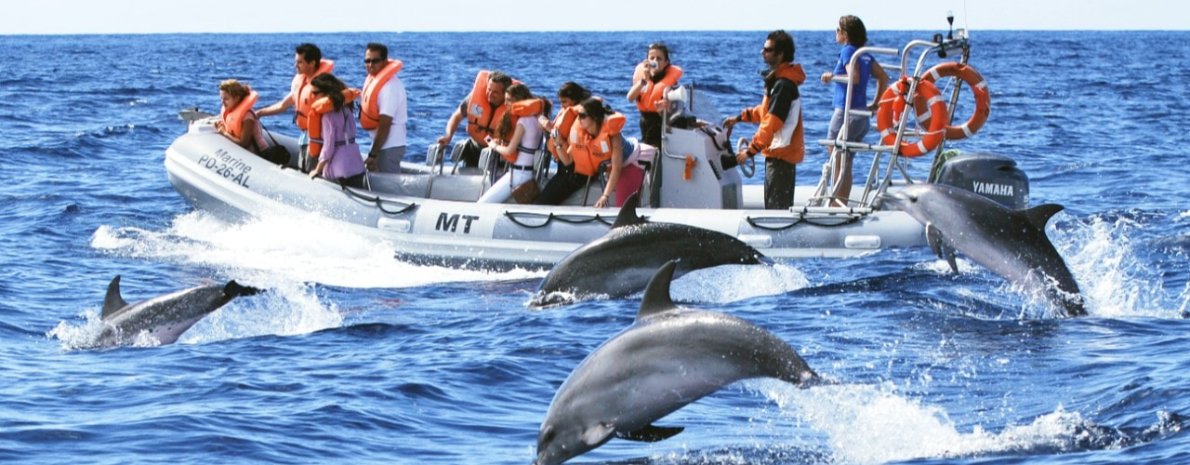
<point x="113" y="301"/>
<point x="657" y="299"/>
<point x="1041" y="214"/>
<point x="628" y="216"/>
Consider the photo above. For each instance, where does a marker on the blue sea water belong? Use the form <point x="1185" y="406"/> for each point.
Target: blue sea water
<point x="355" y="357"/>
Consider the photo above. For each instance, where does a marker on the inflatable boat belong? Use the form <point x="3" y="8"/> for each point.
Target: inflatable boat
<point x="429" y="210"/>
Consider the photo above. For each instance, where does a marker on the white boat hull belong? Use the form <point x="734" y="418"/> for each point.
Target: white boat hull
<point x="450" y="229"/>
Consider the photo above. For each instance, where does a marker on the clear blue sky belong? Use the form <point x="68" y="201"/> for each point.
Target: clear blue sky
<point x="153" y="16"/>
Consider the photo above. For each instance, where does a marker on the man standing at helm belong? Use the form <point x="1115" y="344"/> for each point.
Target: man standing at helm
<point x="383" y="110"/>
<point x="780" y="137"/>
<point x="482" y="108"/>
<point x="309" y="63"/>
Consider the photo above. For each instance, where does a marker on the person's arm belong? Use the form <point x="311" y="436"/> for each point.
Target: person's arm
<point x="452" y="125"/>
<point x="278" y="107"/>
<point x="784" y="96"/>
<point x="385" y="123"/>
<point x="248" y="134"/>
<point x="638" y="81"/>
<point x="881" y="84"/>
<point x="509" y="150"/>
<point x="617" y="159"/>
<point x="246" y="125"/>
<point x="330" y="134"/>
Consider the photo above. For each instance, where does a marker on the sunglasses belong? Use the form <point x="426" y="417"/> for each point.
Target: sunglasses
<point x="768" y="50"/>
<point x="368" y="61"/>
<point x="583" y="116"/>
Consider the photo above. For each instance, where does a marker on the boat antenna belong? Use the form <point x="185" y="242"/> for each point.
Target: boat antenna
<point x="950" y="19"/>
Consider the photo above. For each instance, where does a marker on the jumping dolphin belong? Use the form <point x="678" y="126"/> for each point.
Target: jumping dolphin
<point x="620" y="263"/>
<point x="164" y="317"/>
<point x="668" y="358"/>
<point x="1010" y="243"/>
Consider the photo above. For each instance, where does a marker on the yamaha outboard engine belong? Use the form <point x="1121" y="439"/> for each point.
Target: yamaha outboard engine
<point x="993" y="176"/>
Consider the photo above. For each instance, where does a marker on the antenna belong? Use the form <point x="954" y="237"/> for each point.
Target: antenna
<point x="950" y="19"/>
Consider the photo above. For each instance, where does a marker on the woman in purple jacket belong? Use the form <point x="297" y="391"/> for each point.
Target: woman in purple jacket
<point x="340" y="159"/>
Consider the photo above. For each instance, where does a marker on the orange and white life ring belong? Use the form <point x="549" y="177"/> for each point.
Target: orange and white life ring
<point x="892" y="103"/>
<point x="979" y="87"/>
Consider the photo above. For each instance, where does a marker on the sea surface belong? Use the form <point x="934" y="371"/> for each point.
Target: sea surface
<point x="354" y="357"/>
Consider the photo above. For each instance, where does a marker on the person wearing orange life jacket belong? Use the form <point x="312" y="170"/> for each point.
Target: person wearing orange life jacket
<point x="333" y="136"/>
<point x="780" y="137"/>
<point x="309" y="63"/>
<point x="383" y="110"/>
<point x="519" y="138"/>
<point x="482" y="109"/>
<point x="595" y="138"/>
<point x="558" y="130"/>
<point x="651" y="80"/>
<point x="239" y="122"/>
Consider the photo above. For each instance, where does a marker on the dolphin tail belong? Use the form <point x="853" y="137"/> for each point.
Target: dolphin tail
<point x="234" y="289"/>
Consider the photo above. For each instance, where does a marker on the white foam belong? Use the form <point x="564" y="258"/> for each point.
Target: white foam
<point x="1113" y="280"/>
<point x="731" y="283"/>
<point x="308" y="248"/>
<point x="872" y="424"/>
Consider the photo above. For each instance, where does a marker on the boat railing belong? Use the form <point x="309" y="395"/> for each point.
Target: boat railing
<point x="881" y="174"/>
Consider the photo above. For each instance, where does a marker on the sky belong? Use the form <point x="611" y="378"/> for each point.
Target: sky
<point x="168" y="16"/>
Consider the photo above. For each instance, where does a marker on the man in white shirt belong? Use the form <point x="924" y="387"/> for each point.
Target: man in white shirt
<point x="383" y="110"/>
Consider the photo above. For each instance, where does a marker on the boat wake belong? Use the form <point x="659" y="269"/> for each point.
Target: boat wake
<point x="307" y="249"/>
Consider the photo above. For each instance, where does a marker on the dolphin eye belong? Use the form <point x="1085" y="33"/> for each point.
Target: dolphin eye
<point x="548" y="434"/>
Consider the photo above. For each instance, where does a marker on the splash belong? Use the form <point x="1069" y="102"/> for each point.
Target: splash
<point x="306" y="248"/>
<point x="872" y="424"/>
<point x="719" y="284"/>
<point x="1113" y="278"/>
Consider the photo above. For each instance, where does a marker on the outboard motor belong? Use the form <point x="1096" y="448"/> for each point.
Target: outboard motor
<point x="993" y="176"/>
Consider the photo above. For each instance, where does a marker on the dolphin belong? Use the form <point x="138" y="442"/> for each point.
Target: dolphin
<point x="165" y="317"/>
<point x="1010" y="243"/>
<point x="668" y="358"/>
<point x="620" y="263"/>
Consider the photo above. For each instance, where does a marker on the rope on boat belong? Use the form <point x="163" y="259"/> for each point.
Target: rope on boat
<point x="800" y="219"/>
<point x="550" y="217"/>
<point x="379" y="201"/>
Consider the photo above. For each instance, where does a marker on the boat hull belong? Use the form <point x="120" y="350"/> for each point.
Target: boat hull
<point x="450" y="229"/>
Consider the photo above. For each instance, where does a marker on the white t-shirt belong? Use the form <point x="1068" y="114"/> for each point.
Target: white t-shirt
<point x="391" y="102"/>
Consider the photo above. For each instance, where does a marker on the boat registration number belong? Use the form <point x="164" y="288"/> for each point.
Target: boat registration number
<point x="224" y="164"/>
<point x="456" y="223"/>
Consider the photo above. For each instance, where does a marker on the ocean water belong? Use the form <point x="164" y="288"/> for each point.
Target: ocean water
<point x="355" y="357"/>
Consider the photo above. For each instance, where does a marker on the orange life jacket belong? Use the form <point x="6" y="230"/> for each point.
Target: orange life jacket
<point x="321" y="107"/>
<point x="589" y="151"/>
<point x="301" y="89"/>
<point x="563" y="122"/>
<point x="652" y="92"/>
<point x="481" y="118"/>
<point x="369" y="112"/>
<point x="233" y="119"/>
